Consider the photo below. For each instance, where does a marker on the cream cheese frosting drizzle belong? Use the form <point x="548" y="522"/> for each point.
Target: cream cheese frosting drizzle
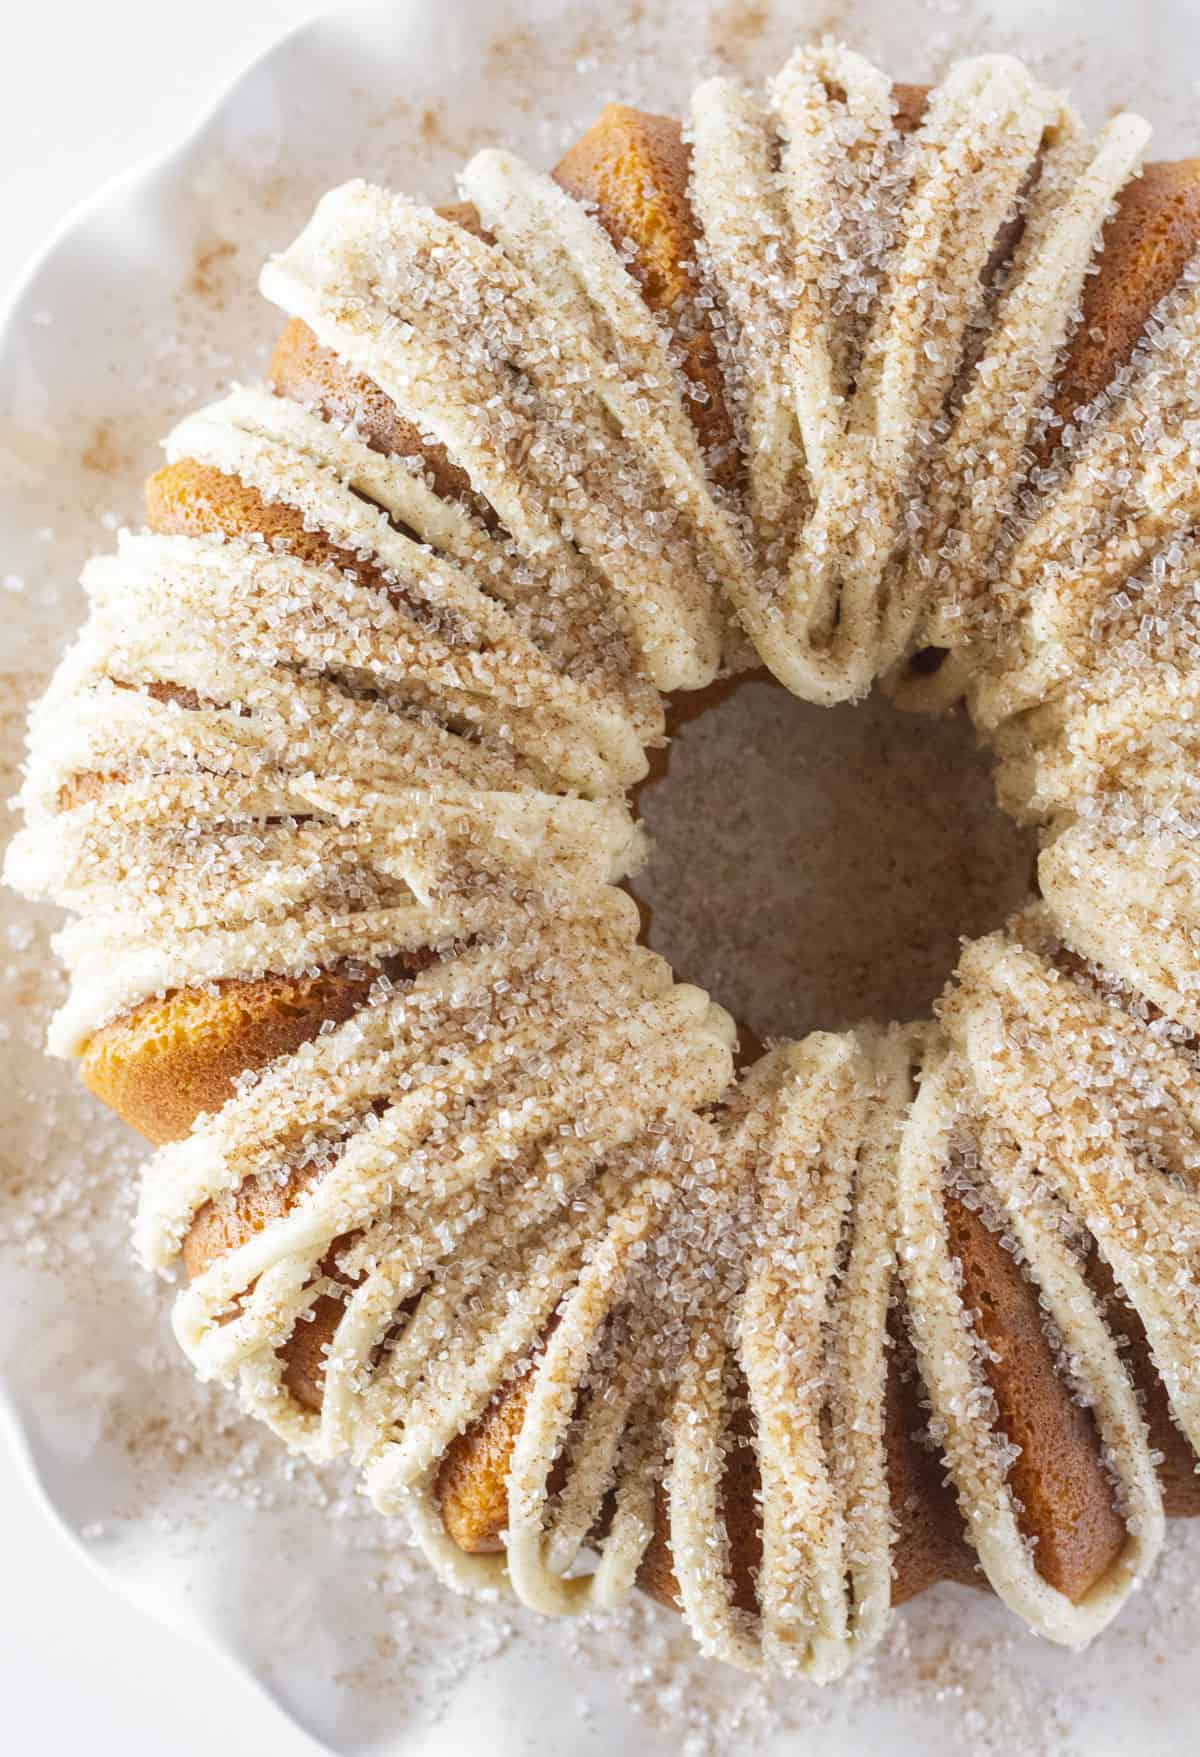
<point x="528" y="1162"/>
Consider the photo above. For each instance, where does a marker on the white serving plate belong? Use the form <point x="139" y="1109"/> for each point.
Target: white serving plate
<point x="141" y="306"/>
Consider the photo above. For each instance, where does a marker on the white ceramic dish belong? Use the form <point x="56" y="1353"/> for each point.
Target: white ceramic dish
<point x="142" y="305"/>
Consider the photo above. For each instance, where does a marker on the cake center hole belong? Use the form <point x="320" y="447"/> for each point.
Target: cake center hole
<point x="816" y="866"/>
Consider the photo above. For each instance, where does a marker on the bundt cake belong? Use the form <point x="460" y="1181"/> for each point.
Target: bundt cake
<point x="857" y="382"/>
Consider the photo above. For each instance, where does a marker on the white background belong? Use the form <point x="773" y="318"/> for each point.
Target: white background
<point x="90" y="89"/>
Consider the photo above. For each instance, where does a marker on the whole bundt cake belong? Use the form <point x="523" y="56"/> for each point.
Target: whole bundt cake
<point x="857" y="382"/>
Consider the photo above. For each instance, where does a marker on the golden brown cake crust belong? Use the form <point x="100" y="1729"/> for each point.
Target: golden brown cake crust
<point x="223" y="1225"/>
<point x="1058" y="1478"/>
<point x="1177" y="1470"/>
<point x="300" y="368"/>
<point x="1147" y="244"/>
<point x="306" y="372"/>
<point x="930" y="1536"/>
<point x="196" y="500"/>
<point x="632" y="169"/>
<point x="472" y="1481"/>
<point x="162" y="1065"/>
